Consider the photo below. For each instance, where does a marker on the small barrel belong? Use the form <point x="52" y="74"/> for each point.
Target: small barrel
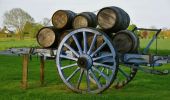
<point x="126" y="41"/>
<point x="85" y="19"/>
<point x="47" y="37"/>
<point x="70" y="41"/>
<point x="62" y="19"/>
<point x="126" y="19"/>
<point x="113" y="19"/>
<point x="98" y="43"/>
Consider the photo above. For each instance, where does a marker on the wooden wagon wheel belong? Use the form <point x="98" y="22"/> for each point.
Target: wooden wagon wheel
<point x="86" y="62"/>
<point x="126" y="73"/>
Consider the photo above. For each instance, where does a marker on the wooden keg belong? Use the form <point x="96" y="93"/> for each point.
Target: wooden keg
<point x="47" y="37"/>
<point x="85" y="19"/>
<point x="126" y="20"/>
<point x="70" y="41"/>
<point x="126" y="41"/>
<point x="99" y="42"/>
<point x="113" y="19"/>
<point x="62" y="19"/>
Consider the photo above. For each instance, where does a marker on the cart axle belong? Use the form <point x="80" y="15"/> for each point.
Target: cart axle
<point x="85" y="62"/>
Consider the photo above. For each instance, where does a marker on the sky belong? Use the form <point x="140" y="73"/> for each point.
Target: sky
<point x="143" y="13"/>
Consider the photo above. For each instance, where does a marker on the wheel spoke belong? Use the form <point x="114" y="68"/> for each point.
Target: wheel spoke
<point x="92" y="44"/>
<point x="80" y="78"/>
<point x="78" y="44"/>
<point x="71" y="49"/>
<point x="73" y="74"/>
<point x="98" y="49"/>
<point x="94" y="77"/>
<point x="87" y="80"/>
<point x="85" y="42"/>
<point x="96" y="80"/>
<point x="68" y="57"/>
<point x="123" y="73"/>
<point x="101" y="73"/>
<point x="103" y="65"/>
<point x="72" y="65"/>
<point x="107" y="71"/>
<point x="102" y="57"/>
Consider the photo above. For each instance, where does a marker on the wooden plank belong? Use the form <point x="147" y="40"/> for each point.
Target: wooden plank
<point x="25" y="71"/>
<point x="42" y="64"/>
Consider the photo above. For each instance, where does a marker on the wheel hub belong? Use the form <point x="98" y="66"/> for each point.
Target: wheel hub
<point x="85" y="62"/>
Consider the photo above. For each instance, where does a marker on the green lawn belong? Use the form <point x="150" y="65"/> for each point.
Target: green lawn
<point x="6" y="43"/>
<point x="143" y="87"/>
<point x="163" y="45"/>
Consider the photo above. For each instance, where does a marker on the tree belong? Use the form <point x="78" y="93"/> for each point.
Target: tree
<point x="16" y="18"/>
<point x="46" y="22"/>
<point x="31" y="29"/>
<point x="4" y="29"/>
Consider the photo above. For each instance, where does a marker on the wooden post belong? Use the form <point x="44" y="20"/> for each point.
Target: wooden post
<point x="42" y="64"/>
<point x="25" y="71"/>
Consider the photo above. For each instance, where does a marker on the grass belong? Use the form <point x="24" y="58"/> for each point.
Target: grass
<point x="6" y="43"/>
<point x="162" y="45"/>
<point x="143" y="87"/>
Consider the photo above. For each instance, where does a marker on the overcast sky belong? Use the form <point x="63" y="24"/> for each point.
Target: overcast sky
<point x="143" y="13"/>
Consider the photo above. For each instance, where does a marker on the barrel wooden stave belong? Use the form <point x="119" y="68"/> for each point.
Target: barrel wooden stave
<point x="126" y="19"/>
<point x="99" y="42"/>
<point x="126" y="41"/>
<point x="85" y="19"/>
<point x="47" y="37"/>
<point x="62" y="19"/>
<point x="113" y="19"/>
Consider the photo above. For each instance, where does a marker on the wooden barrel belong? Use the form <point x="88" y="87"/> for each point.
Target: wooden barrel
<point x="126" y="41"/>
<point x="62" y="19"/>
<point x="113" y="19"/>
<point x="85" y="19"/>
<point x="98" y="43"/>
<point x="47" y="37"/>
<point x="70" y="41"/>
<point x="126" y="20"/>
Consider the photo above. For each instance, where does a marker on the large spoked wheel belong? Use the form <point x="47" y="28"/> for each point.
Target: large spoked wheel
<point x="126" y="73"/>
<point x="80" y="62"/>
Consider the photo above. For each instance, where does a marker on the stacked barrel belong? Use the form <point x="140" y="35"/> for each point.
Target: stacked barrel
<point x="112" y="20"/>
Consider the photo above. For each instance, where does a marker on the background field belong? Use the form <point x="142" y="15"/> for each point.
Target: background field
<point x="6" y="43"/>
<point x="143" y="87"/>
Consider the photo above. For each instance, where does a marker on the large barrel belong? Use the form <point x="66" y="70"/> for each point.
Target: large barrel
<point x="62" y="19"/>
<point x="126" y="20"/>
<point x="85" y="19"/>
<point x="126" y="41"/>
<point x="70" y="41"/>
<point x="113" y="19"/>
<point x="47" y="37"/>
<point x="97" y="44"/>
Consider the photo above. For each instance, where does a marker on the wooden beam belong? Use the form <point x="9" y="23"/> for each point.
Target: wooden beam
<point x="25" y="71"/>
<point x="42" y="64"/>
